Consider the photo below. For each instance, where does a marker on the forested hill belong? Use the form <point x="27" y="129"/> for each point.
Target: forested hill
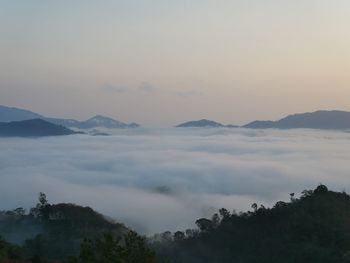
<point x="313" y="228"/>
<point x="66" y="233"/>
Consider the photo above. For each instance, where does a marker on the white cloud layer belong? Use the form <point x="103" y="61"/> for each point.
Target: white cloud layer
<point x="164" y="179"/>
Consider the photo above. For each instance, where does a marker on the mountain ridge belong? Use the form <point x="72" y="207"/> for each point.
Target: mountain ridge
<point x="32" y="128"/>
<point x="204" y="123"/>
<point x="321" y="119"/>
<point x="8" y="114"/>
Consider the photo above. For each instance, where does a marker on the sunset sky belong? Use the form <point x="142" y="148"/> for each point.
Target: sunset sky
<point x="161" y="62"/>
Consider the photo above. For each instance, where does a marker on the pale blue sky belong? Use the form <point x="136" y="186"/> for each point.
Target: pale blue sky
<point x="162" y="62"/>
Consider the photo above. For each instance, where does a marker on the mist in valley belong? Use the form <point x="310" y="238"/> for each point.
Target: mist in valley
<point x="155" y="180"/>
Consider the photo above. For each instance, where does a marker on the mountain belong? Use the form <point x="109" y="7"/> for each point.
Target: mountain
<point x="260" y="125"/>
<point x="337" y="120"/>
<point x="102" y="121"/>
<point x="98" y="121"/>
<point x="32" y="128"/>
<point x="205" y="124"/>
<point x="8" y="114"/>
<point x="200" y="124"/>
<point x="14" y="114"/>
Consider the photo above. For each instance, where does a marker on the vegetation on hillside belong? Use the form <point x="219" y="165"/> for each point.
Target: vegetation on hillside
<point x="68" y="233"/>
<point x="312" y="228"/>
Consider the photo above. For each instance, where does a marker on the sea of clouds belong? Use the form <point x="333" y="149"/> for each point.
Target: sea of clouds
<point x="164" y="179"/>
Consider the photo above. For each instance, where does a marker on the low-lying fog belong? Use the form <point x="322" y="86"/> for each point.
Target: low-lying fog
<point x="164" y="179"/>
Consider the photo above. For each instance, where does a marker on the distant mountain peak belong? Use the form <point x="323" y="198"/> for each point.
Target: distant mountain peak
<point x="8" y="114"/>
<point x="107" y="122"/>
<point x="204" y="123"/>
<point x="99" y="119"/>
<point x="321" y="119"/>
<point x="200" y="123"/>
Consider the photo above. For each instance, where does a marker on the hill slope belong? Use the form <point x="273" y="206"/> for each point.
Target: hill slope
<point x="200" y="124"/>
<point x="337" y="120"/>
<point x="8" y="114"/>
<point x="314" y="228"/>
<point x="32" y="128"/>
<point x="55" y="231"/>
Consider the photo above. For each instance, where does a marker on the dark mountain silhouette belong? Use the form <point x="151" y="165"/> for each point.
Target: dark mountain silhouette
<point x="32" y="128"/>
<point x="337" y="120"/>
<point x="8" y="114"/>
<point x="331" y="120"/>
<point x="204" y="124"/>
<point x="200" y="123"/>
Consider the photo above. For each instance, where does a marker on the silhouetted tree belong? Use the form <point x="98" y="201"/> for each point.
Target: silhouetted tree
<point x="179" y="236"/>
<point x="321" y="189"/>
<point x="215" y="219"/>
<point x="255" y="207"/>
<point x="224" y="213"/>
<point x="204" y="224"/>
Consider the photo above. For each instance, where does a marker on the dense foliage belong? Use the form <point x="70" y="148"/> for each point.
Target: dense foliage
<point x="60" y="232"/>
<point x="313" y="228"/>
<point x="132" y="249"/>
<point x="9" y="252"/>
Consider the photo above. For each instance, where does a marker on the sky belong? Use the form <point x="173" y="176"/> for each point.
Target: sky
<point x="161" y="62"/>
<point x="155" y="180"/>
